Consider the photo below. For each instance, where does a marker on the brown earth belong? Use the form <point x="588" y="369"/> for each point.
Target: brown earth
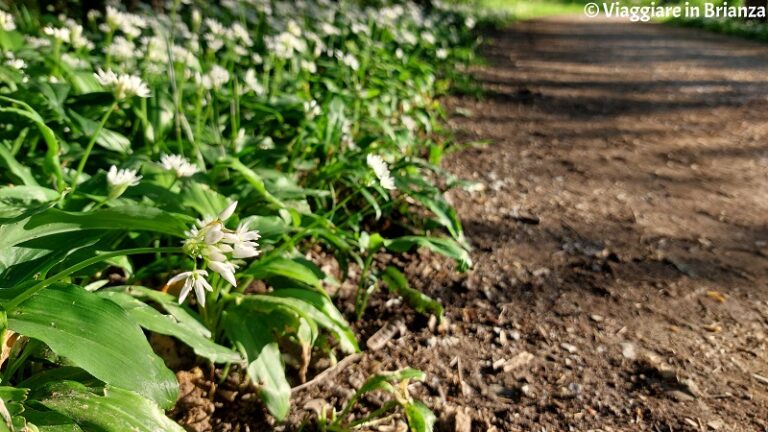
<point x="618" y="224"/>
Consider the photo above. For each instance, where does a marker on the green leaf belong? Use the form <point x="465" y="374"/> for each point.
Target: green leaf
<point x="381" y="381"/>
<point x="205" y="201"/>
<point x="52" y="164"/>
<point x="11" y="409"/>
<point x="443" y="246"/>
<point x="14" y="201"/>
<point x="265" y="365"/>
<point x="420" y="417"/>
<point x="398" y="284"/>
<point x="55" y="221"/>
<point x="320" y="308"/>
<point x="298" y="270"/>
<point x="152" y="320"/>
<point x="107" y="139"/>
<point x="108" y="409"/>
<point x="50" y="421"/>
<point x="98" y="336"/>
<point x="15" y="169"/>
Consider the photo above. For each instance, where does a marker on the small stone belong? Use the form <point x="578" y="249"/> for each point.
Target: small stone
<point x="597" y="318"/>
<point x="715" y="424"/>
<point x="519" y="360"/>
<point x="568" y="347"/>
<point x="680" y="396"/>
<point x="628" y="350"/>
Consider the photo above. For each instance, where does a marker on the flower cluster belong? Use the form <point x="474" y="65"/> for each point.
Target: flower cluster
<point x="179" y="165"/>
<point x="380" y="168"/>
<point x="219" y="248"/>
<point x="123" y="86"/>
<point x="118" y="180"/>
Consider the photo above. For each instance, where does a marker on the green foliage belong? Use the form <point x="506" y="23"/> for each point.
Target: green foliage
<point x="167" y="173"/>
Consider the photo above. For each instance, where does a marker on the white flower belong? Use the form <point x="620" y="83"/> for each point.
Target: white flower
<point x="192" y="279"/>
<point x="215" y="78"/>
<point x="409" y="122"/>
<point x="179" y="165"/>
<point x="441" y="53"/>
<point x="217" y="245"/>
<point x="6" y="21"/>
<point x="130" y="24"/>
<point x="243" y="241"/>
<point x="58" y="33"/>
<point x="228" y="212"/>
<point x="225" y="269"/>
<point x="121" y="49"/>
<point x="329" y="29"/>
<point x="252" y="83"/>
<point x="381" y="170"/>
<point x="119" y="180"/>
<point x="312" y="108"/>
<point x="309" y="66"/>
<point x="351" y="61"/>
<point x="427" y="37"/>
<point x="470" y="22"/>
<point x="16" y="63"/>
<point x="123" y="86"/>
<point x="285" y="44"/>
<point x="293" y="28"/>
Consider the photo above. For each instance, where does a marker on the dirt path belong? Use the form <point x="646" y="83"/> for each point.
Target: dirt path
<point x="620" y="238"/>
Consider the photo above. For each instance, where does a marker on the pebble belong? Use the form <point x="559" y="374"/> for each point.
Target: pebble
<point x="568" y="347"/>
<point x="628" y="350"/>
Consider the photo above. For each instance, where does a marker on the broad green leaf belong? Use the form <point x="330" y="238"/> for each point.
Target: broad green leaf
<point x="14" y="201"/>
<point x="255" y="341"/>
<point x="98" y="336"/>
<point x="182" y="314"/>
<point x="50" y="421"/>
<point x="298" y="270"/>
<point x="55" y="221"/>
<point x="107" y="409"/>
<point x="16" y="169"/>
<point x="330" y="317"/>
<point x="420" y="417"/>
<point x="107" y="139"/>
<point x="398" y="284"/>
<point x="152" y="320"/>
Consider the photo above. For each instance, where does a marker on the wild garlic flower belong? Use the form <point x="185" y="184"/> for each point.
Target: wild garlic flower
<point x="350" y="61"/>
<point x="58" y="33"/>
<point x="121" y="49"/>
<point x="217" y="246"/>
<point x="178" y="165"/>
<point x="192" y="279"/>
<point x="252" y="83"/>
<point x="441" y="53"/>
<point x="6" y="21"/>
<point x="215" y="78"/>
<point x="285" y="44"/>
<point x="380" y="168"/>
<point x="118" y="180"/>
<point x="123" y="86"/>
<point x="130" y="24"/>
<point x="312" y="108"/>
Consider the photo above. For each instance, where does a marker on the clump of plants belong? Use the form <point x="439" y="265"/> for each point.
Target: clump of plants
<point x="157" y="165"/>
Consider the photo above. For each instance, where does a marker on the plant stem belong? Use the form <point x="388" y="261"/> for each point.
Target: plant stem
<point x="81" y="265"/>
<point x="89" y="147"/>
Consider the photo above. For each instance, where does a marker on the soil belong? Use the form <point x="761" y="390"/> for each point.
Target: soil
<point x="620" y="245"/>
